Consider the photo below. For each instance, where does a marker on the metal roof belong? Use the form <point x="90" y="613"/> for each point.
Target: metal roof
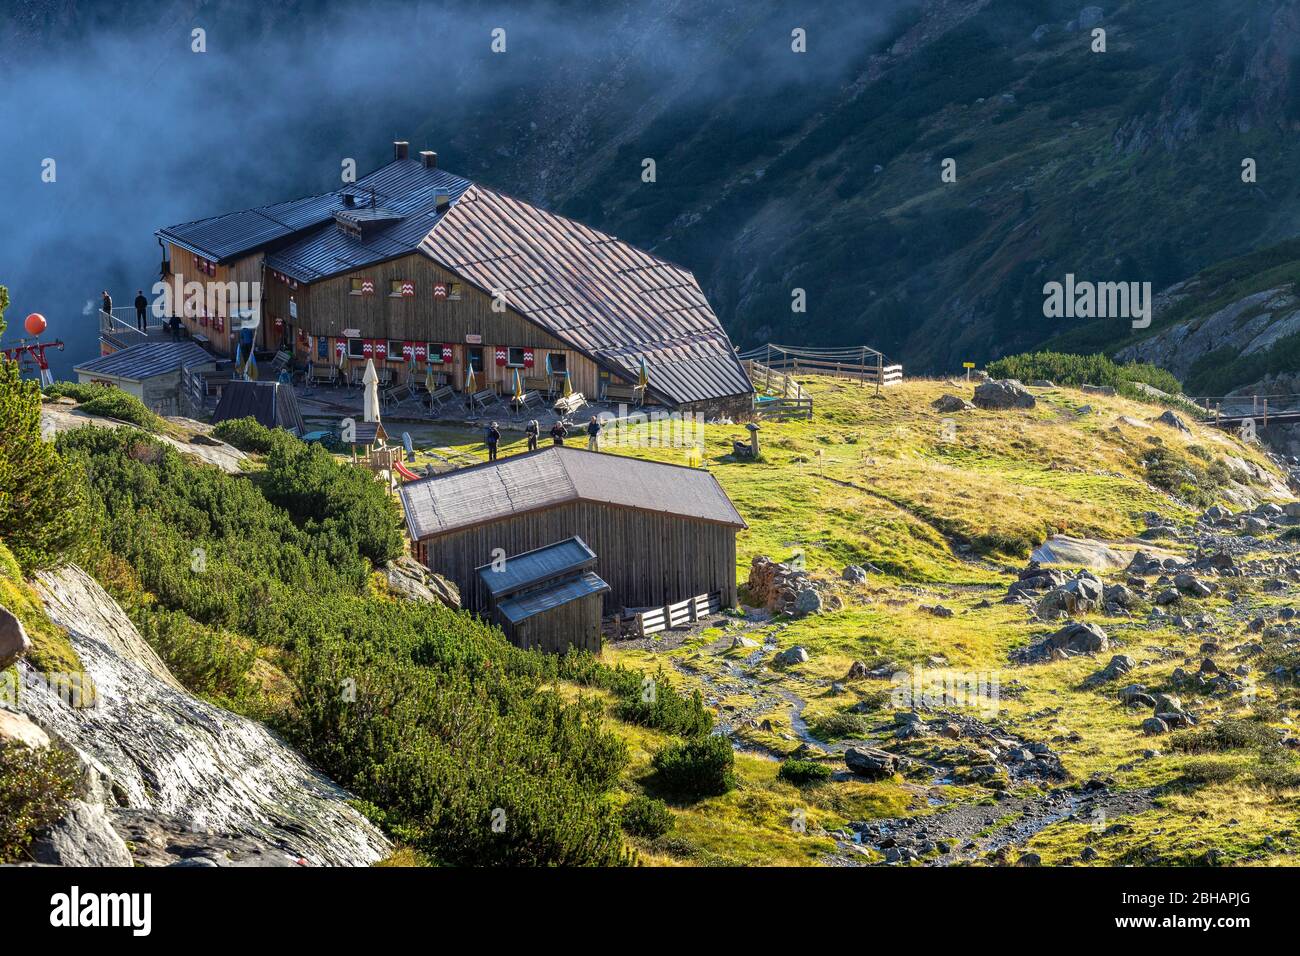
<point x="558" y="475"/>
<point x="611" y="300"/>
<point x="529" y="605"/>
<point x="533" y="567"/>
<point x="298" y="235"/>
<point x="147" y="359"/>
<point x="603" y="297"/>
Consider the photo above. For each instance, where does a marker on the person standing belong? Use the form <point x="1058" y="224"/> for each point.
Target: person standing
<point x="593" y="434"/>
<point x="558" y="433"/>
<point x="106" y="304"/>
<point x="532" y="431"/>
<point x="493" y="436"/>
<point x="141" y="304"/>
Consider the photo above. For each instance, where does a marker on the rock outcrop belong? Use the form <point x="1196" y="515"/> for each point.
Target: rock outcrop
<point x="1003" y="394"/>
<point x="148" y="746"/>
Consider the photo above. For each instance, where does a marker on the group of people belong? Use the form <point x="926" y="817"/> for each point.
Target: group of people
<point x="141" y="307"/>
<point x="492" y="437"/>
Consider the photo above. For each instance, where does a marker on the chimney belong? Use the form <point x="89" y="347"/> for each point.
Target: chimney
<point x="401" y="149"/>
<point x="429" y="158"/>
<point x="441" y="201"/>
<point x="349" y="200"/>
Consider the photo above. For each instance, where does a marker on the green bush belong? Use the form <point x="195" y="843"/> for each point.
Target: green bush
<point x="801" y="772"/>
<point x="249" y="435"/>
<point x="1065" y="368"/>
<point x="108" y="402"/>
<point x="206" y="661"/>
<point x="35" y="787"/>
<point x="696" y="768"/>
<point x="1230" y="734"/>
<point x="646" y="817"/>
<point x="43" y="515"/>
<point x="839" y="726"/>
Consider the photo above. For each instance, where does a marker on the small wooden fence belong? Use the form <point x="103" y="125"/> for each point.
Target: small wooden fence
<point x="642" y="622"/>
<point x="859" y="363"/>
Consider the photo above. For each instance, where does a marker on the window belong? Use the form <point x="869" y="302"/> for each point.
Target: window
<point x="556" y="363"/>
<point x="401" y="288"/>
<point x="356" y="348"/>
<point x="395" y="351"/>
<point x="476" y="360"/>
<point x="356" y="287"/>
<point x="453" y="290"/>
<point x="434" y="352"/>
<point x="515" y="359"/>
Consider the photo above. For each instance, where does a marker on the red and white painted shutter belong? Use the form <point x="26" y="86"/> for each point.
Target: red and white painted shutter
<point x="528" y="358"/>
<point x="501" y="355"/>
<point x="446" y="352"/>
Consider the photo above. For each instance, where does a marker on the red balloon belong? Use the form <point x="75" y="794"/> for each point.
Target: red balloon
<point x="35" y="324"/>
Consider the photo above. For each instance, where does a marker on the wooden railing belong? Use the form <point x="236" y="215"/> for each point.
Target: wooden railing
<point x="642" y="622"/>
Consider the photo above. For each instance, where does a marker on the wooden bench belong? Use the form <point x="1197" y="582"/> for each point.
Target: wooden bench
<point x="567" y="406"/>
<point x="540" y="385"/>
<point x="530" y="401"/>
<point x="440" y="397"/>
<point x="323" y="375"/>
<point x="394" y="396"/>
<point x="484" y="400"/>
<point x="622" y="393"/>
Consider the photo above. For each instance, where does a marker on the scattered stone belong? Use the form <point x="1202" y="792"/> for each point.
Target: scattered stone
<point x="1003" y="394"/>
<point x="855" y="574"/>
<point x="1173" y="421"/>
<point x="1119" y="665"/>
<point x="794" y="655"/>
<point x="1191" y="585"/>
<point x="740" y="641"/>
<point x="857" y="671"/>
<point x="870" y="763"/>
<point x="1030" y="859"/>
<point x="1153" y="726"/>
<point x="17" y="729"/>
<point x="938" y="610"/>
<point x="951" y="403"/>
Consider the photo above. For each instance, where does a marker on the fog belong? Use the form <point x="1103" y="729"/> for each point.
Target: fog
<point x="146" y="132"/>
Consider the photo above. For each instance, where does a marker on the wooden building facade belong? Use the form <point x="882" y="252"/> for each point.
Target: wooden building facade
<point x="661" y="533"/>
<point x="413" y="264"/>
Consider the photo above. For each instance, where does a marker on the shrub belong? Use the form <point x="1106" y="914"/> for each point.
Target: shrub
<point x="696" y="768"/>
<point x="109" y="402"/>
<point x="1207" y="770"/>
<point x="35" y="787"/>
<point x="801" y="772"/>
<point x="1067" y="368"/>
<point x="43" y="514"/>
<point x="646" y="817"/>
<point x="839" y="726"/>
<point x="205" y="661"/>
<point x="248" y="434"/>
<point x="1231" y="734"/>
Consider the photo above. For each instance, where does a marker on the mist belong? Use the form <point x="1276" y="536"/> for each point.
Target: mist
<point x="145" y="132"/>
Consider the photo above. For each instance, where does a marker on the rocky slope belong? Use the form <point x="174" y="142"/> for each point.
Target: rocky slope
<point x="168" y="778"/>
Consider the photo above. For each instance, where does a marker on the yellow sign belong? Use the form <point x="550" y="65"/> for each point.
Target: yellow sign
<point x="967" y="364"/>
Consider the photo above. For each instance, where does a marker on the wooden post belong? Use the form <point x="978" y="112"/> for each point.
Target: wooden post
<point x="862" y="366"/>
<point x="1266" y="412"/>
<point x="880" y="371"/>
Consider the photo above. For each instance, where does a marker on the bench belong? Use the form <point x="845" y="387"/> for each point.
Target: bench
<point x="441" y="396"/>
<point x="281" y="360"/>
<point x="569" y="405"/>
<point x="396" y="395"/>
<point x="622" y="393"/>
<point x="539" y="385"/>
<point x="484" y="400"/>
<point x="323" y="375"/>
<point x="529" y="401"/>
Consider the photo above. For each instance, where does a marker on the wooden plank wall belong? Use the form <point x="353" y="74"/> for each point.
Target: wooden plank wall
<point x="331" y="307"/>
<point x="575" y="624"/>
<point x="646" y="558"/>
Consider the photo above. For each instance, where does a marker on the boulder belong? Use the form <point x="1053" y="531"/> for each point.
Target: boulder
<point x="1173" y="421"/>
<point x="14" y="642"/>
<point x="84" y="837"/>
<point x="807" y="600"/>
<point x="870" y="763"/>
<point x="17" y="729"/>
<point x="742" y="642"/>
<point x="951" y="403"/>
<point x="1079" y="638"/>
<point x="1119" y="665"/>
<point x="1192" y="585"/>
<point x="857" y="671"/>
<point x="854" y="574"/>
<point x="1003" y="394"/>
<point x="409" y="579"/>
<point x="793" y="655"/>
<point x="1077" y="552"/>
<point x="1076" y="596"/>
<point x="1154" y="725"/>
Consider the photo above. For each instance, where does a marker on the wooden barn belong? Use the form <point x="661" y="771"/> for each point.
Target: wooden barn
<point x="661" y="533"/>
<point x="414" y="265"/>
<point x="549" y="599"/>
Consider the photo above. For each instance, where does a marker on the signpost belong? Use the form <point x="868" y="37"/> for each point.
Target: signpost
<point x="968" y="366"/>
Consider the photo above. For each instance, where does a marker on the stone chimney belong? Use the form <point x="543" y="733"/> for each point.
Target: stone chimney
<point x="401" y="149"/>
